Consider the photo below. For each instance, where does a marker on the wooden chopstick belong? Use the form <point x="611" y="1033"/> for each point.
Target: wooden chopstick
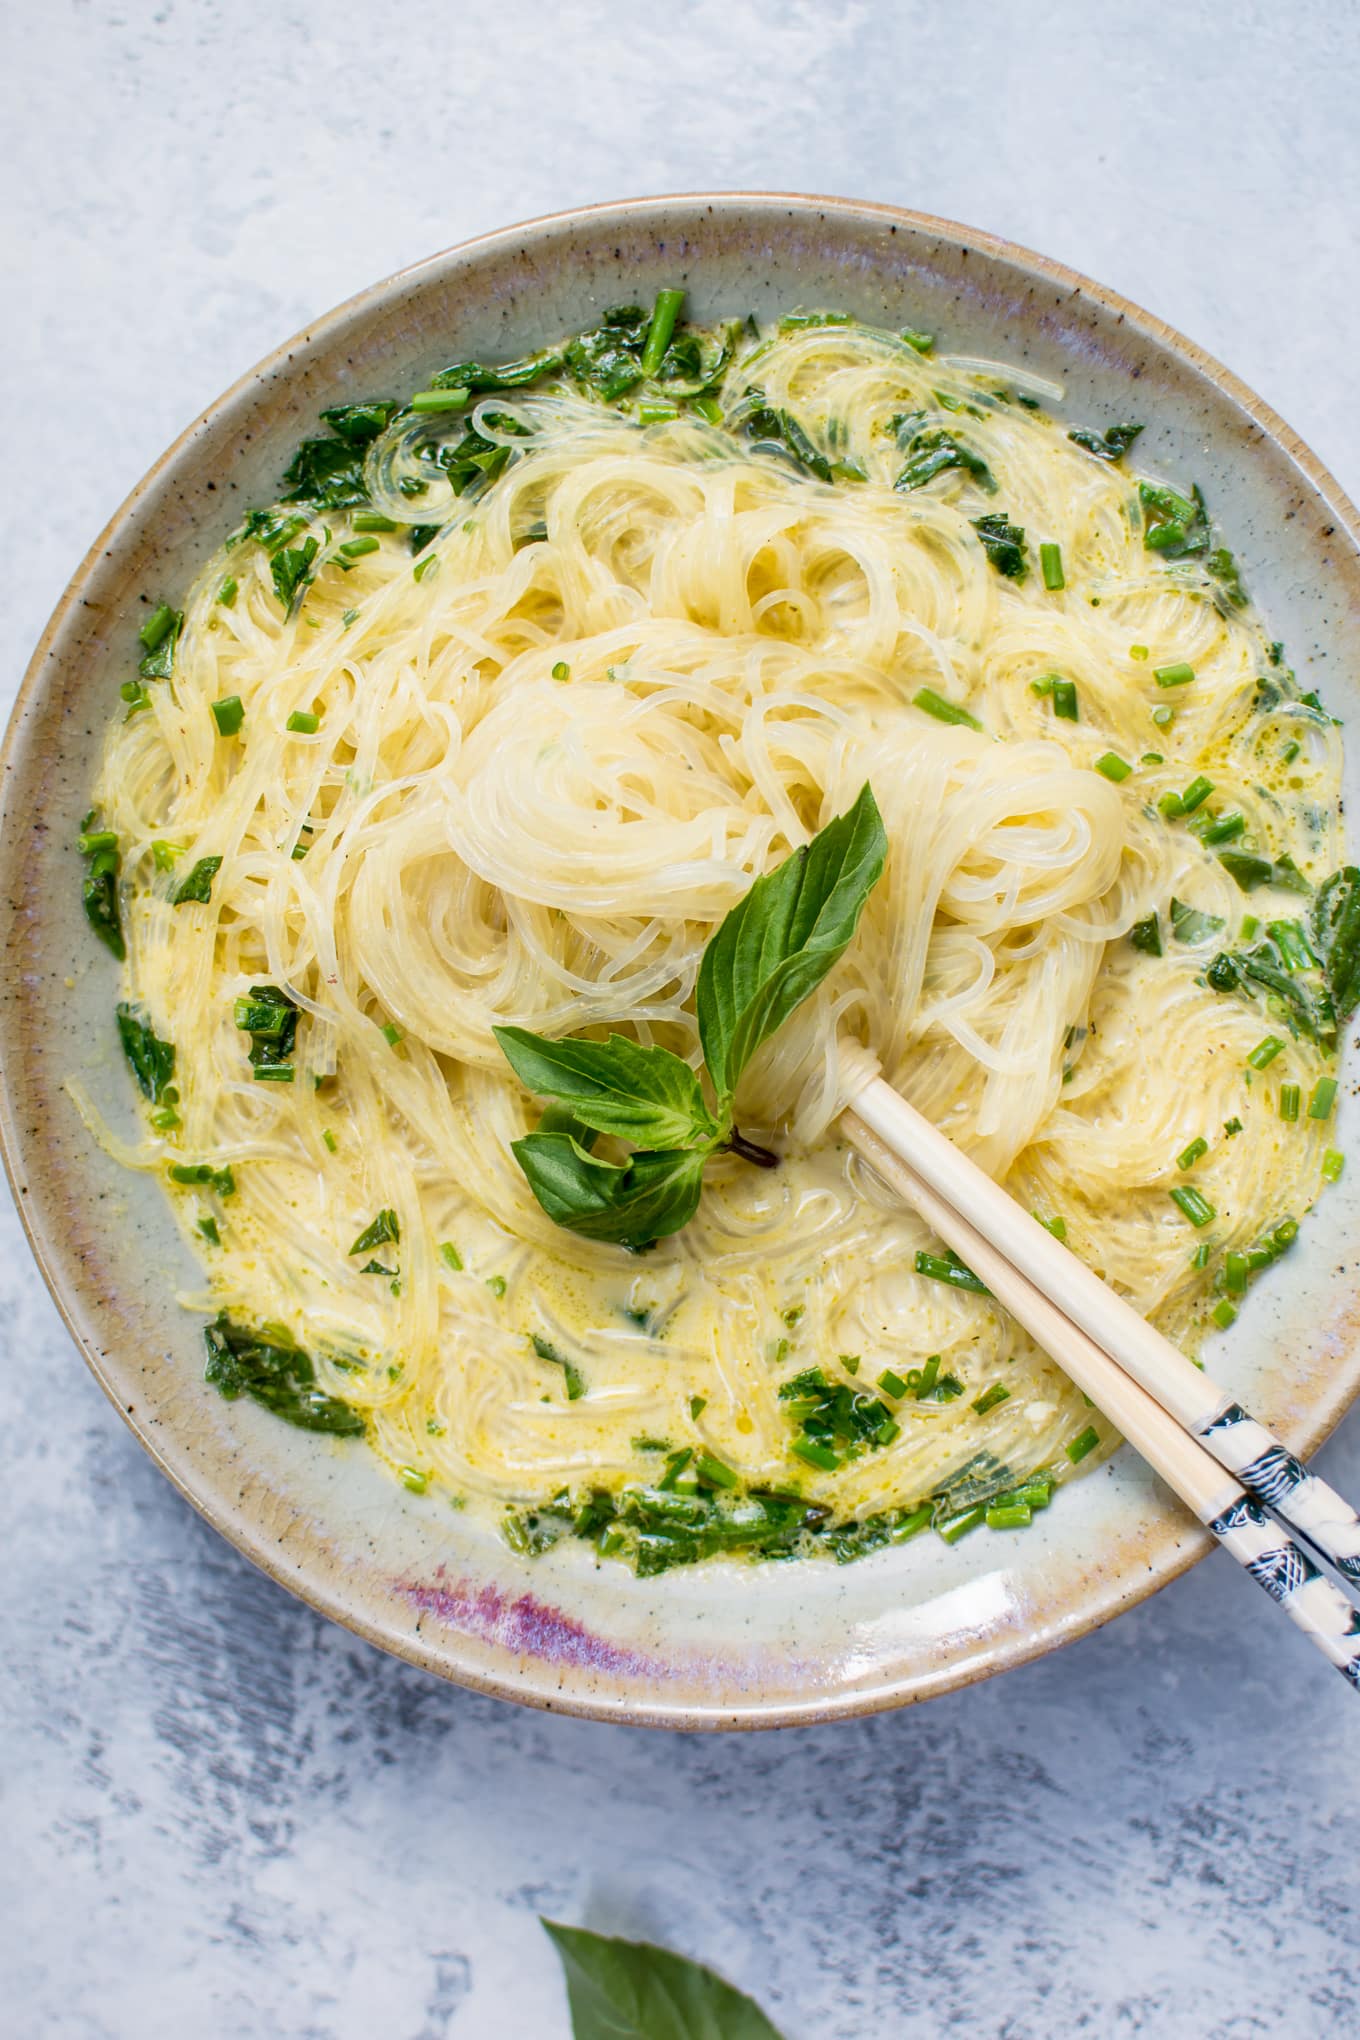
<point x="1194" y="1398"/>
<point x="1219" y="1500"/>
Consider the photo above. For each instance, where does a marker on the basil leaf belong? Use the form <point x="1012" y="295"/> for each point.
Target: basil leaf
<point x="629" y="1990"/>
<point x="774" y="949"/>
<point x="152" y="1060"/>
<point x="634" y="1203"/>
<point x="645" y="1095"/>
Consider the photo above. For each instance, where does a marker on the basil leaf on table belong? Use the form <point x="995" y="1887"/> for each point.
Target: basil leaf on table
<point x="630" y="1990"/>
<point x="640" y="1094"/>
<point x="633" y="1203"/>
<point x="774" y="949"/>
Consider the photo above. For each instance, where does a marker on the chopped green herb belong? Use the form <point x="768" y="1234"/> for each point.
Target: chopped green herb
<point x="302" y="722"/>
<point x="152" y="1060"/>
<point x="496" y="1284"/>
<point x="1332" y="1165"/>
<point x="329" y="1138"/>
<point x="99" y="888"/>
<point x="1290" y="1097"/>
<point x="1057" y="1226"/>
<point x="575" y="1380"/>
<point x="384" y="1227"/>
<point x="159" y="636"/>
<point x="951" y="1271"/>
<point x="1051" y="567"/>
<point x="1110" y="445"/>
<point x="1188" y="1156"/>
<point x="1196" y="793"/>
<point x="1193" y="1204"/>
<point x="1173" y="676"/>
<point x="277" y="1375"/>
<point x="198" y="884"/>
<point x="1189" y="925"/>
<point x="1113" y="767"/>
<point x="989" y="1399"/>
<point x="226" y="594"/>
<point x="1231" y="1127"/>
<point x="943" y="711"/>
<point x="270" y="1018"/>
<point x="951" y="1528"/>
<point x="891" y="1384"/>
<point x="439" y="400"/>
<point x="1235" y="1273"/>
<point x="229" y="714"/>
<point x="1147" y="935"/>
<point x="208" y="1228"/>
<point x="1085" y="1442"/>
<point x="920" y="342"/>
<point x="1265" y="1052"/>
<point x="697" y="1405"/>
<point x="1223" y="1313"/>
<point x="1004" y="545"/>
<point x="1065" y="700"/>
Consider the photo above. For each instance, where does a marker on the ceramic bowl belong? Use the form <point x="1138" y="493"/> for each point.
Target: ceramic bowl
<point x="723" y="1645"/>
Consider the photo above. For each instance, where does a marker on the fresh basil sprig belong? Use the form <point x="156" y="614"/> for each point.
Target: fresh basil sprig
<point x="630" y="1990"/>
<point x="770" y="953"/>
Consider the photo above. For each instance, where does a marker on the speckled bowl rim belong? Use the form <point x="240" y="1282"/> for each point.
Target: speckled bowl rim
<point x="1171" y="1547"/>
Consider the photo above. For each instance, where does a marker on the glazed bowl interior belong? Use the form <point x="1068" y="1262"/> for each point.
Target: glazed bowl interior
<point x="725" y="1644"/>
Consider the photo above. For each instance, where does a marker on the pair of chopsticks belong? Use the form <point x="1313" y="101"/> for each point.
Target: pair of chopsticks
<point x="1227" y="1468"/>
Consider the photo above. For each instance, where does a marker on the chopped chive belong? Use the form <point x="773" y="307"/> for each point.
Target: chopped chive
<point x="350" y="616"/>
<point x="273" y="1073"/>
<point x="561" y="671"/>
<point x="891" y="1384"/>
<point x="1173" y="676"/>
<point x="208" y="1228"/>
<point x="1290" y="1095"/>
<point x="425" y="566"/>
<point x="414" y="1479"/>
<point x="450" y="1256"/>
<point x="1196" y="1207"/>
<point x="850" y="1362"/>
<point x="329" y="1138"/>
<point x="1065" y="700"/>
<point x="229" y="714"/>
<point x="665" y="312"/>
<point x="1231" y="1127"/>
<point x="942" y="710"/>
<point x="1323" y="1098"/>
<point x="439" y="400"/>
<point x="954" y="1527"/>
<point x="157" y="627"/>
<point x="1196" y="793"/>
<point x="714" y="1472"/>
<point x="303" y="723"/>
<point x="988" y="1400"/>
<point x="356" y="548"/>
<point x="496" y="1284"/>
<point x="163" y="854"/>
<point x="1225" y="828"/>
<point x="697" y="1405"/>
<point x="1008" y="1515"/>
<point x="1171" y="806"/>
<point x="1188" y="1156"/>
<point x="1043" y="685"/>
<point x="1223" y="1313"/>
<point x="820" y="1456"/>
<point x="1265" y="1052"/>
<point x="1113" y="767"/>
<point x="391" y="1034"/>
<point x="1138" y="651"/>
<point x="1200" y="1257"/>
<point x="1080" y="1446"/>
<point x="952" y="1272"/>
<point x="1249" y="926"/>
<point x="1051" y="567"/>
<point x="1164" y="715"/>
<point x="1147" y="935"/>
<point x="372" y="520"/>
<point x="1235" y="1273"/>
<point x="921" y="343"/>
<point x="1152" y="758"/>
<point x="226" y="594"/>
<point x="1332" y="1165"/>
<point x="1289" y="753"/>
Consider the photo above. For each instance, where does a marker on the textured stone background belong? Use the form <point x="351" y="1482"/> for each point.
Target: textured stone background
<point x="222" y="1815"/>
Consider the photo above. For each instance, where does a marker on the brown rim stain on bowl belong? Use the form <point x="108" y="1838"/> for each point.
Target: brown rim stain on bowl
<point x="724" y="1645"/>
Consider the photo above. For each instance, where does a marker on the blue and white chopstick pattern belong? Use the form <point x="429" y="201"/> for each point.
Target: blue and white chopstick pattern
<point x="1297" y="1496"/>
<point x="1276" y="1563"/>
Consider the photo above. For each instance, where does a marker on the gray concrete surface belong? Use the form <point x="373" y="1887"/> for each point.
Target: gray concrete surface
<point x="222" y="1816"/>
